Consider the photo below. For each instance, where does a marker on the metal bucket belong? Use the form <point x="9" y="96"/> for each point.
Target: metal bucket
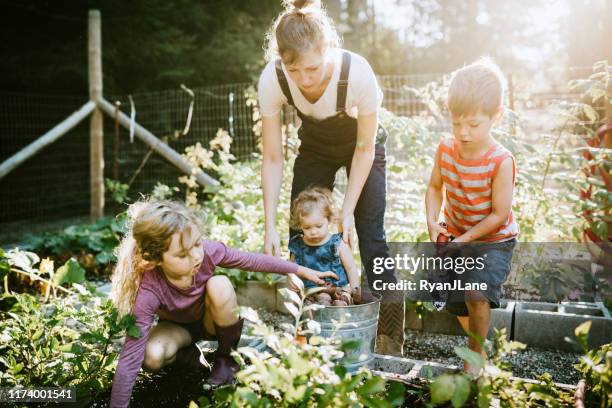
<point x="357" y="322"/>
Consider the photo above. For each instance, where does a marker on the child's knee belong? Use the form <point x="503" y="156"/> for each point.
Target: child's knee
<point x="155" y="356"/>
<point x="219" y="291"/>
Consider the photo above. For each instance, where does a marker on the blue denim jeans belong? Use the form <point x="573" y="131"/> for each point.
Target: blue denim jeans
<point x="497" y="265"/>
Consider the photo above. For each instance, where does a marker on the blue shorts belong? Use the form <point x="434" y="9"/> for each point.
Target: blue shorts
<point x="497" y="259"/>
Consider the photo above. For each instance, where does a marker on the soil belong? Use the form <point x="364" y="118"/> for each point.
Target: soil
<point x="171" y="387"/>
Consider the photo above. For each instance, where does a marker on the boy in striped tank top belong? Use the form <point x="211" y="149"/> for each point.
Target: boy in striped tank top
<point x="474" y="176"/>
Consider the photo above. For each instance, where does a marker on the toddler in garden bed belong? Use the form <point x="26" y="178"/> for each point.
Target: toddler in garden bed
<point x="474" y="175"/>
<point x="317" y="248"/>
<point x="165" y="267"/>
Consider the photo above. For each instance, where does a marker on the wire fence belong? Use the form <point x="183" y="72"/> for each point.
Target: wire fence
<point x="54" y="184"/>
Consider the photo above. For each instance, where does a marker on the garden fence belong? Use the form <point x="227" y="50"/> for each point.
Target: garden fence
<point x="54" y="184"/>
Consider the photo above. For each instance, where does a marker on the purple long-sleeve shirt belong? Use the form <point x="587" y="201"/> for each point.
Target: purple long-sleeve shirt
<point x="157" y="295"/>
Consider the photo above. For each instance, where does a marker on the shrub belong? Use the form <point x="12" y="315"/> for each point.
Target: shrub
<point x="68" y="342"/>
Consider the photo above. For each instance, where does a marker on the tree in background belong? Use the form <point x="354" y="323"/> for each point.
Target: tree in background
<point x="431" y="36"/>
<point x="157" y="44"/>
<point x="592" y="42"/>
<point x="147" y="44"/>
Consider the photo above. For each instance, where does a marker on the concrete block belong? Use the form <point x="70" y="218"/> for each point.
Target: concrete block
<point x="406" y="369"/>
<point x="547" y="325"/>
<point x="390" y="364"/>
<point x="257" y="294"/>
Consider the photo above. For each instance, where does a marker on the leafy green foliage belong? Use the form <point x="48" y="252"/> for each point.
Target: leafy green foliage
<point x="70" y="272"/>
<point x="583" y="120"/>
<point x="117" y="190"/>
<point x="184" y="41"/>
<point x="5" y="267"/>
<point x="70" y="341"/>
<point x="494" y="382"/>
<point x="596" y="369"/>
<point x="91" y="245"/>
<point x="30" y="272"/>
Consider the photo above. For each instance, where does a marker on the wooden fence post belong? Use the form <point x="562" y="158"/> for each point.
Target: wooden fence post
<point x="96" y="133"/>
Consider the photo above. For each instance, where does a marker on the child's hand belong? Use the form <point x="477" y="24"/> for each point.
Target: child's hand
<point x="315" y="276"/>
<point x="436" y="229"/>
<point x="356" y="294"/>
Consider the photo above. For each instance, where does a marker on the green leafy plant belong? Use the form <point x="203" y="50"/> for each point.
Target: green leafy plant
<point x="91" y="245"/>
<point x="118" y="191"/>
<point x="70" y="341"/>
<point x="29" y="271"/>
<point x="595" y="161"/>
<point x="494" y="385"/>
<point x="595" y="368"/>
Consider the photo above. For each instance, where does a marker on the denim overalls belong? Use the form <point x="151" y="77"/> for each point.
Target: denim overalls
<point x="324" y="257"/>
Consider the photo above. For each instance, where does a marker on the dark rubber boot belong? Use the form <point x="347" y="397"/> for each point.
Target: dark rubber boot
<point x="225" y="367"/>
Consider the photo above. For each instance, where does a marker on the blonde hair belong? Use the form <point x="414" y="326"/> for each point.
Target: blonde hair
<point x="309" y="201"/>
<point x="478" y="87"/>
<point x="150" y="227"/>
<point x="303" y="25"/>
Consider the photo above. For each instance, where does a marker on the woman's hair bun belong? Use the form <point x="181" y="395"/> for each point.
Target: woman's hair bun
<point x="300" y="4"/>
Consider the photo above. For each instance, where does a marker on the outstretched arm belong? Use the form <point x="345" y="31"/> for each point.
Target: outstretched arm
<point x="227" y="257"/>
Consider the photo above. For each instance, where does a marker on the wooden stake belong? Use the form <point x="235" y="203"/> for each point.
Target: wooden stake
<point x="45" y="140"/>
<point x="96" y="134"/>
<point x="160" y="147"/>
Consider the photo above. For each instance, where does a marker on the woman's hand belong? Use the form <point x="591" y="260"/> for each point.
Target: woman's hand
<point x="345" y="227"/>
<point x="272" y="242"/>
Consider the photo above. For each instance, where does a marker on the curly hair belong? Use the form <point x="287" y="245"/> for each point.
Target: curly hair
<point x="309" y="201"/>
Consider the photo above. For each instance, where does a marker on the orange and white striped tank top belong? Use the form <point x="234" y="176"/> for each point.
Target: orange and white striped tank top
<point x="468" y="184"/>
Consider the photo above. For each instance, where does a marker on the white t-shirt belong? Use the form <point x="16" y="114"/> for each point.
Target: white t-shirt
<point x="363" y="97"/>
